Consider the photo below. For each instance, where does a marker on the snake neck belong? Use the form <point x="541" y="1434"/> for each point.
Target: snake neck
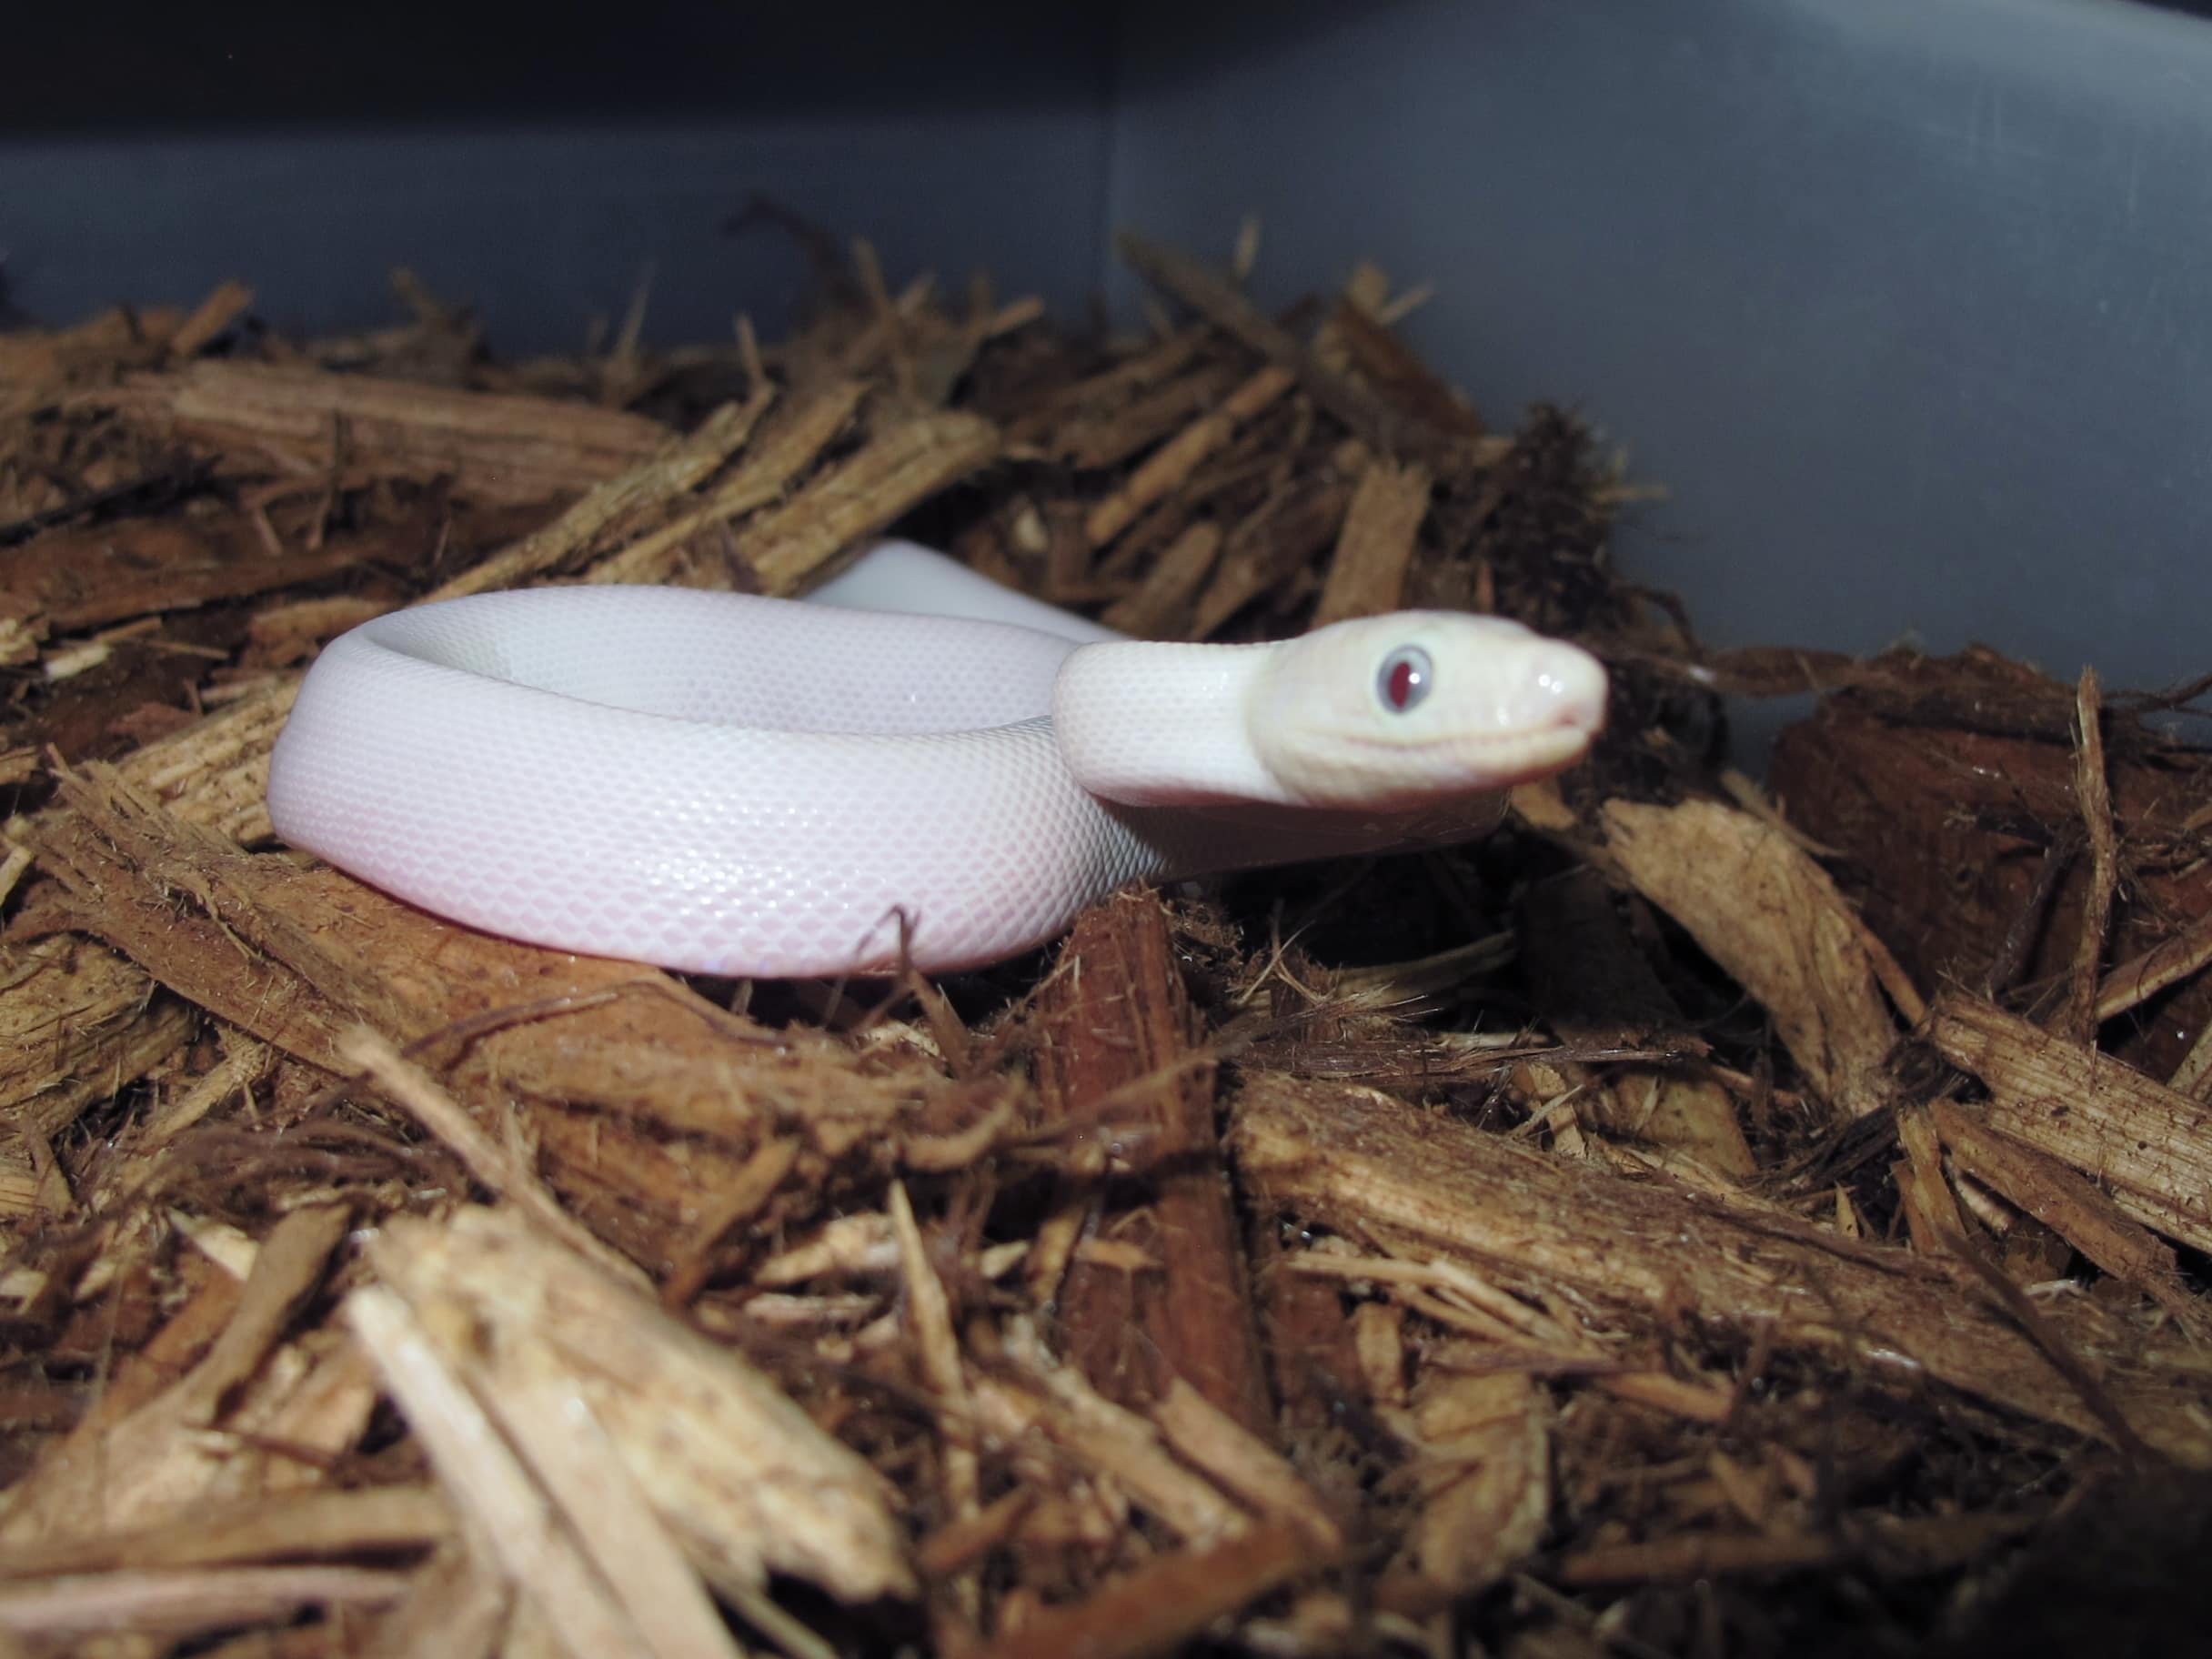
<point x="1153" y="724"/>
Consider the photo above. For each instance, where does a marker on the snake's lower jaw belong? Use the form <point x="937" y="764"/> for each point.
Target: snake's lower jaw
<point x="1395" y="777"/>
<point x="1537" y="754"/>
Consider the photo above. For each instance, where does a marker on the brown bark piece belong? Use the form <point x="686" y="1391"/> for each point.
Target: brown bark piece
<point x="1110" y="1441"/>
<point x="1113" y="436"/>
<point x="293" y="1525"/>
<point x="118" y="855"/>
<point x="224" y="307"/>
<point x="1096" y="398"/>
<point x="2094" y="795"/>
<point x="1948" y="788"/>
<point x="2181" y="957"/>
<point x="597" y="1576"/>
<point x="494" y="447"/>
<point x="897" y="468"/>
<point x="70" y="580"/>
<point x="1598" y="992"/>
<point x="1115" y="1062"/>
<point x="728" y="1463"/>
<point x="2072" y="1206"/>
<point x="2150" y="1146"/>
<point x="1362" y="1164"/>
<point x="77" y="1022"/>
<point x="1317" y="1359"/>
<point x="122" y="1605"/>
<point x="1380" y="359"/>
<point x="213" y="772"/>
<point x="1484" y="1472"/>
<point x="1762" y="909"/>
<point x="1168" y="1602"/>
<point x="1929" y="1193"/>
<point x="1384" y="428"/>
<point x="1242" y="1462"/>
<point x="1171" y="466"/>
<point x="1909" y="1545"/>
<point x="766" y="472"/>
<point x="672" y="471"/>
<point x="38" y="366"/>
<point x="1280" y="538"/>
<point x="146" y="1465"/>
<point x="299" y="957"/>
<point x="1375" y="548"/>
<point x="1161" y="599"/>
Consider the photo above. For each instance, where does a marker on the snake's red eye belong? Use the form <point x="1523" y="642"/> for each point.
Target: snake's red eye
<point x="1404" y="679"/>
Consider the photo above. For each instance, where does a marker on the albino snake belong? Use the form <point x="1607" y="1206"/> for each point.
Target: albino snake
<point x="735" y="785"/>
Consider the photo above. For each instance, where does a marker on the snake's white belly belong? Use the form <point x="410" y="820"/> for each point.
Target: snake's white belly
<point x="736" y="785"/>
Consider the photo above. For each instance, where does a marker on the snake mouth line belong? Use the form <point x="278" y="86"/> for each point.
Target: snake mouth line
<point x="1548" y="738"/>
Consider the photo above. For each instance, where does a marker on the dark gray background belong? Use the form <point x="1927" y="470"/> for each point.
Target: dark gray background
<point x="1905" y="300"/>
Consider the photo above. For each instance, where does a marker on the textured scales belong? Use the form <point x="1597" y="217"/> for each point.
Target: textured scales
<point x="735" y="785"/>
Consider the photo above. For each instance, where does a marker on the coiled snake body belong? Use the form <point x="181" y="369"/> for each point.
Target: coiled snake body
<point x="736" y="785"/>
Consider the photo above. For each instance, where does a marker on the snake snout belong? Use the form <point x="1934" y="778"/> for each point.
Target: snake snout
<point x="1559" y="686"/>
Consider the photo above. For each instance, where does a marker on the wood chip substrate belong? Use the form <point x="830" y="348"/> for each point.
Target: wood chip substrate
<point x="1705" y="1218"/>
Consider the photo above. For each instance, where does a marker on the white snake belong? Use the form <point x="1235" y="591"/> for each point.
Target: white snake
<point x="745" y="786"/>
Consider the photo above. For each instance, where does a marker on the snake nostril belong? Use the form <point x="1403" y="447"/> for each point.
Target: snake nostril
<point x="1562" y="685"/>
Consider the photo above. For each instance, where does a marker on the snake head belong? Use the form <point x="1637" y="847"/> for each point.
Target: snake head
<point x="1418" y="707"/>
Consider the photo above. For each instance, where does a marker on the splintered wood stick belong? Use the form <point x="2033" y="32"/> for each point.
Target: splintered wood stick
<point x="769" y="467"/>
<point x="1220" y="301"/>
<point x="1174" y="463"/>
<point x="671" y="473"/>
<point x="1761" y="907"/>
<point x="1357" y="338"/>
<point x="182" y="1602"/>
<point x="1169" y="1600"/>
<point x="146" y="1459"/>
<point x="2072" y="1206"/>
<point x="2094" y="794"/>
<point x="1167" y="589"/>
<point x="929" y="1315"/>
<point x="2148" y="1145"/>
<point x="900" y="466"/>
<point x="1362" y="1164"/>
<point x="309" y="1523"/>
<point x="1279" y="539"/>
<point x="496" y="445"/>
<point x="487" y="1309"/>
<point x="1115" y="1049"/>
<point x="224" y="307"/>
<point x="497" y="1166"/>
<point x="1375" y="548"/>
<point x="1242" y="1462"/>
<point x="2135" y="981"/>
<point x="509" y="1519"/>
